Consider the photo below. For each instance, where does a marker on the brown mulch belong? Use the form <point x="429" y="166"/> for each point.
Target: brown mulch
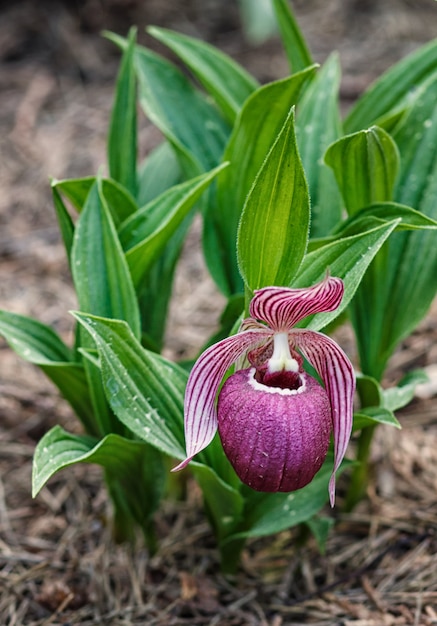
<point x="58" y="564"/>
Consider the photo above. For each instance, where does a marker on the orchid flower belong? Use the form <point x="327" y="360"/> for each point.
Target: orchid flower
<point x="274" y="419"/>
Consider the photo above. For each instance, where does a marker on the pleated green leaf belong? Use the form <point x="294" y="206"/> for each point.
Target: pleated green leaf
<point x="158" y="172"/>
<point x="393" y="88"/>
<point x="318" y="125"/>
<point x="410" y="219"/>
<point x="402" y="282"/>
<point x="365" y="165"/>
<point x="374" y="415"/>
<point x="268" y="513"/>
<point x="227" y="81"/>
<point x="100" y="271"/>
<point x="193" y="126"/>
<point x="39" y="344"/>
<point x="400" y="395"/>
<point x="144" y="390"/>
<point x="257" y="127"/>
<point x="296" y="49"/>
<point x="65" y="222"/>
<point x="146" y="233"/>
<point x="122" y="136"/>
<point x="130" y="463"/>
<point x="348" y="258"/>
<point x="273" y="231"/>
<point x="119" y="201"/>
<point x="224" y="502"/>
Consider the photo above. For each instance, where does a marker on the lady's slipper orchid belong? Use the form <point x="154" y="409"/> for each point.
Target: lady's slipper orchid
<point x="273" y="418"/>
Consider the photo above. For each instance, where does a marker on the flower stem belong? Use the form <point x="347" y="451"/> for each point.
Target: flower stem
<point x="360" y="473"/>
<point x="230" y="554"/>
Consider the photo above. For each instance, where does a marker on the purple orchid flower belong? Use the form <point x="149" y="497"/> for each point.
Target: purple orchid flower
<point x="274" y="419"/>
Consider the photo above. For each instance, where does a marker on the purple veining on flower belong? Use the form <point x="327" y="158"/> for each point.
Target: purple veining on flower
<point x="273" y="418"/>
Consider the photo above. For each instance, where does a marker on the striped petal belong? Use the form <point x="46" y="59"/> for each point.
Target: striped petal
<point x="282" y="308"/>
<point x="337" y="374"/>
<point x="203" y="383"/>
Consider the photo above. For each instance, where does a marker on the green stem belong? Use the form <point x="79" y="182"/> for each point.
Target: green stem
<point x="230" y="554"/>
<point x="360" y="473"/>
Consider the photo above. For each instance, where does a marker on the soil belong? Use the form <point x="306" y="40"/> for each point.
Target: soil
<point x="58" y="564"/>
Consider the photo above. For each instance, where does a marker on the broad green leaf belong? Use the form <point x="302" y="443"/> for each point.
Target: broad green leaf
<point x="320" y="528"/>
<point x="39" y="344"/>
<point x="224" y="503"/>
<point x="296" y="49"/>
<point x="145" y="391"/>
<point x="394" y="87"/>
<point x="104" y="287"/>
<point x="158" y="172"/>
<point x="369" y="391"/>
<point x="318" y="125"/>
<point x="402" y="282"/>
<point x="33" y="341"/>
<point x="365" y="165"/>
<point x="258" y="125"/>
<point x="133" y="464"/>
<point x="258" y="20"/>
<point x="146" y="233"/>
<point x="268" y="513"/>
<point x="373" y="415"/>
<point x="387" y="211"/>
<point x="155" y="292"/>
<point x="228" y="83"/>
<point x="100" y="271"/>
<point x="122" y="136"/>
<point x="65" y="222"/>
<point x="273" y="231"/>
<point x="400" y="395"/>
<point x="186" y="118"/>
<point x="75" y="189"/>
<point x="348" y="258"/>
<point x="120" y="203"/>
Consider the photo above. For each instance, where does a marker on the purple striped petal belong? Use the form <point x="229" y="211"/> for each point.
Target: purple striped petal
<point x="282" y="308"/>
<point x="203" y="383"/>
<point x="337" y="374"/>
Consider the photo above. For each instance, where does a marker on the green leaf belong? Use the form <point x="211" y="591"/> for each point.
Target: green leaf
<point x="134" y="464"/>
<point x="318" y="125"/>
<point x="39" y="344"/>
<point x="65" y="222"/>
<point x="258" y="125"/>
<point x="155" y="292"/>
<point x="75" y="189"/>
<point x="348" y="258"/>
<point x="365" y="165"/>
<point x="296" y="49"/>
<point x="258" y="20"/>
<point x="268" y="513"/>
<point x="393" y="88"/>
<point x="273" y="231"/>
<point x="400" y="395"/>
<point x="145" y="391"/>
<point x="119" y="201"/>
<point x="192" y="125"/>
<point x="122" y="136"/>
<point x="373" y="415"/>
<point x="224" y="503"/>
<point x="320" y="528"/>
<point x="228" y="83"/>
<point x="369" y="391"/>
<point x="401" y="283"/>
<point x="100" y="271"/>
<point x="410" y="219"/>
<point x="158" y="172"/>
<point x="146" y="233"/>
